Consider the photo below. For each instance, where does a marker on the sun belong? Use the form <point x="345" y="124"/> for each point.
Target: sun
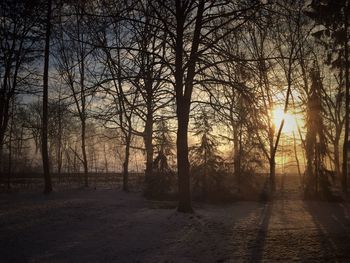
<point x="290" y="123"/>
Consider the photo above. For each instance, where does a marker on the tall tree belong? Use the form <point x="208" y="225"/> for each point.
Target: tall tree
<point x="19" y="40"/>
<point x="148" y="73"/>
<point x="44" y="132"/>
<point x="74" y="65"/>
<point x="195" y="29"/>
<point x="334" y="16"/>
<point x="317" y="184"/>
<point x="183" y="90"/>
<point x="333" y="97"/>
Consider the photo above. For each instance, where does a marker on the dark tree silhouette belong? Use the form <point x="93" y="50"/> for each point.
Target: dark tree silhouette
<point x="19" y="41"/>
<point x="334" y="15"/>
<point x="317" y="184"/>
<point x="44" y="132"/>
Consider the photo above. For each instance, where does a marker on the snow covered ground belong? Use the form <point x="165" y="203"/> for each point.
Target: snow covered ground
<point x="112" y="226"/>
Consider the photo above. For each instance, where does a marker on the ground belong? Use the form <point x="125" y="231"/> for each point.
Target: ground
<point x="112" y="226"/>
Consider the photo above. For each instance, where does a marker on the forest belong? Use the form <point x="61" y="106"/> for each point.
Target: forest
<point x="182" y="104"/>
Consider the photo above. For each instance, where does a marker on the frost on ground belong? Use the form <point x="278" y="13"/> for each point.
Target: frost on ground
<point x="112" y="226"/>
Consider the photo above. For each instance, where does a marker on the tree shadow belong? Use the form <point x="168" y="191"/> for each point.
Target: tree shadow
<point x="332" y="222"/>
<point x="259" y="243"/>
<point x="215" y="233"/>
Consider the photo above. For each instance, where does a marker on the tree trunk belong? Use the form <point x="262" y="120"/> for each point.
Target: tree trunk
<point x="10" y="153"/>
<point x="183" y="166"/>
<point x="105" y="158"/>
<point x="2" y="140"/>
<point x="183" y="90"/>
<point x="126" y="164"/>
<point x="59" y="150"/>
<point x="4" y="108"/>
<point x="148" y="134"/>
<point x="237" y="157"/>
<point x="347" y="106"/>
<point x="44" y="144"/>
<point x="205" y="176"/>
<point x="272" y="174"/>
<point x="1" y="161"/>
<point x="297" y="160"/>
<point x="310" y="183"/>
<point x="3" y="127"/>
<point x="75" y="159"/>
<point x="183" y="162"/>
<point x="337" y="159"/>
<point x="83" y="150"/>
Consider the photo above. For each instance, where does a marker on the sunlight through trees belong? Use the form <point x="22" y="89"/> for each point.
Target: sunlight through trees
<point x="193" y="97"/>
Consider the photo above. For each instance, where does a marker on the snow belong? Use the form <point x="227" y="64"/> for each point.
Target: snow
<point x="112" y="226"/>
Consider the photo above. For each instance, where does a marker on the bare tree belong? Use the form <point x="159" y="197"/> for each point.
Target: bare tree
<point x="335" y="19"/>
<point x="44" y="131"/>
<point x="193" y="28"/>
<point x="18" y="49"/>
<point x="73" y="65"/>
<point x="149" y="74"/>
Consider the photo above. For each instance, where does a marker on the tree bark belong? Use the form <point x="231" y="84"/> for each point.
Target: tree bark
<point x="3" y="128"/>
<point x="237" y="155"/>
<point x="181" y="140"/>
<point x="183" y="90"/>
<point x="105" y="158"/>
<point x="9" y="175"/>
<point x="347" y="102"/>
<point x="83" y="150"/>
<point x="1" y="161"/>
<point x="337" y="159"/>
<point x="83" y="110"/>
<point x="182" y="160"/>
<point x="272" y="174"/>
<point x="126" y="164"/>
<point x="148" y="134"/>
<point x="59" y="150"/>
<point x="4" y="119"/>
<point x="297" y="159"/>
<point x="5" y="97"/>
